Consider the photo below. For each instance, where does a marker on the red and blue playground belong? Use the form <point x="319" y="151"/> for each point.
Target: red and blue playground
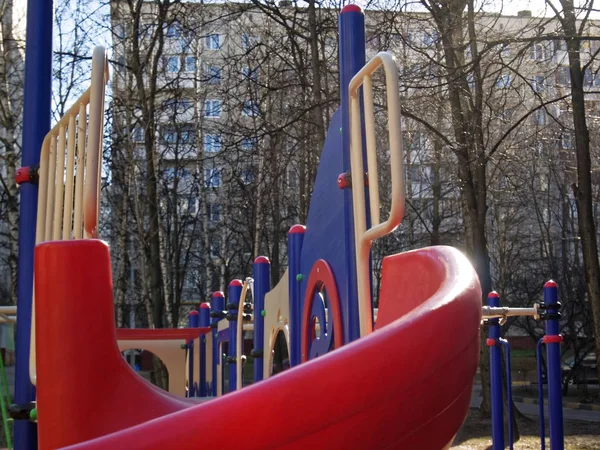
<point x="399" y="377"/>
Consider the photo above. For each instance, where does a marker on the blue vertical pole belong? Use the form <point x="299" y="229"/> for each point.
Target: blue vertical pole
<point x="36" y="123"/>
<point x="192" y="323"/>
<point x="295" y="241"/>
<point x="261" y="272"/>
<point x="552" y="340"/>
<point x="541" y="394"/>
<point x="509" y="409"/>
<point x="234" y="293"/>
<point x="203" y="321"/>
<point x="352" y="59"/>
<point x="216" y="308"/>
<point x="496" y="376"/>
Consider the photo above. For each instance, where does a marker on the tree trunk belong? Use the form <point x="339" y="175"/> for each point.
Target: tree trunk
<point x="583" y="191"/>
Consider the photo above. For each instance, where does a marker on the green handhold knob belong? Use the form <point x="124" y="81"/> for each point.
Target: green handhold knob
<point x="340" y="129"/>
<point x="263" y="313"/>
<point x="183" y="346"/>
<point x="33" y="414"/>
<point x="299" y="277"/>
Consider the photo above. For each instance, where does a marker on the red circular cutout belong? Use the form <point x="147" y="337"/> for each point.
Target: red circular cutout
<point x="321" y="276"/>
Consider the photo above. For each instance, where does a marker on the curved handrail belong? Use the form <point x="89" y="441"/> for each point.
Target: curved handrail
<point x="66" y="218"/>
<point x="364" y="237"/>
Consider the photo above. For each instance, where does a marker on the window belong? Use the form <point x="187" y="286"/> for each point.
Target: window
<point x="541" y="116"/>
<point x="147" y="30"/>
<point x="213" y="74"/>
<point x="137" y="135"/>
<point x="169" y="135"/>
<point x="190" y="63"/>
<point x="247" y="176"/>
<point x="120" y="31"/>
<point x="505" y="51"/>
<point x="213" y="41"/>
<point x="188" y="135"/>
<point x="212" y="108"/>
<point x="251" y="108"/>
<point x="249" y="41"/>
<point x="588" y="77"/>
<point x="538" y="52"/>
<point x="293" y="179"/>
<point x="563" y="76"/>
<point x="503" y="81"/>
<point x="168" y="174"/>
<point x="171" y="64"/>
<point x="212" y="178"/>
<point x="177" y="105"/>
<point x="214" y="212"/>
<point x="249" y="74"/>
<point x="567" y="141"/>
<point x="212" y="143"/>
<point x="539" y="84"/>
<point x="215" y="248"/>
<point x="249" y="143"/>
<point x="173" y="30"/>
<point x="560" y="44"/>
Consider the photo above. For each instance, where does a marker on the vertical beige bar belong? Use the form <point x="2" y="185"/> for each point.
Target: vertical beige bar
<point x="91" y="189"/>
<point x="60" y="184"/>
<point x="70" y="178"/>
<point x="50" y="188"/>
<point x="42" y="188"/>
<point x="81" y="135"/>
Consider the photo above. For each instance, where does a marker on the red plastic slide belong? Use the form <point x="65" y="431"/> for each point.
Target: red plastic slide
<point x="407" y="385"/>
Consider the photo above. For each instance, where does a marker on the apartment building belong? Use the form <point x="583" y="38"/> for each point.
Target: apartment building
<point x="12" y="52"/>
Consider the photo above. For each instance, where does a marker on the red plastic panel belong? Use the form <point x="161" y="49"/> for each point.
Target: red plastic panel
<point x="321" y="276"/>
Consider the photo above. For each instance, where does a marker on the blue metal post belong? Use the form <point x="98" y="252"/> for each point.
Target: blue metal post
<point x="496" y="376"/>
<point x="233" y="296"/>
<point x="506" y="346"/>
<point x="295" y="241"/>
<point x="203" y="321"/>
<point x="552" y="339"/>
<point x="541" y="393"/>
<point x="261" y="272"/>
<point x="192" y="323"/>
<point x="352" y="59"/>
<point x="217" y="304"/>
<point x="36" y="123"/>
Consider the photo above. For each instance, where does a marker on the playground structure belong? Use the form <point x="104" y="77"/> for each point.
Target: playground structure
<point x="549" y="311"/>
<point x="340" y="347"/>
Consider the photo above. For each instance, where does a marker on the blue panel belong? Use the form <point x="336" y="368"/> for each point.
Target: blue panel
<point x="327" y="237"/>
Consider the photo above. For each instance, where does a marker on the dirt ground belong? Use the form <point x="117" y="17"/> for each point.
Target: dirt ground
<point x="476" y="434"/>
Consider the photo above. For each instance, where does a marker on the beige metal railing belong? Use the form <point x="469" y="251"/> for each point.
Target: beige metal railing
<point x="69" y="172"/>
<point x="364" y="237"/>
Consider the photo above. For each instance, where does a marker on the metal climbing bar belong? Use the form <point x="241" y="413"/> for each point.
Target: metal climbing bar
<point x="363" y="237"/>
<point x="69" y="172"/>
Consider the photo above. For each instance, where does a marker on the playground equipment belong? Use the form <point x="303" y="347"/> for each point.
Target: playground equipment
<point x="376" y="396"/>
<point x="549" y="312"/>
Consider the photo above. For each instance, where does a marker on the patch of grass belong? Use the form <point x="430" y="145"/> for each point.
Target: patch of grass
<point x="476" y="434"/>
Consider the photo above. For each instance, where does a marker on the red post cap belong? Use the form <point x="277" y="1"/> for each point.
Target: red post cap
<point x="550" y="284"/>
<point x="193" y="313"/>
<point x="297" y="229"/>
<point x="218" y="294"/>
<point x="262" y="260"/>
<point x="351" y="8"/>
<point x="236" y="283"/>
<point x="205" y="306"/>
<point x="493" y="294"/>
